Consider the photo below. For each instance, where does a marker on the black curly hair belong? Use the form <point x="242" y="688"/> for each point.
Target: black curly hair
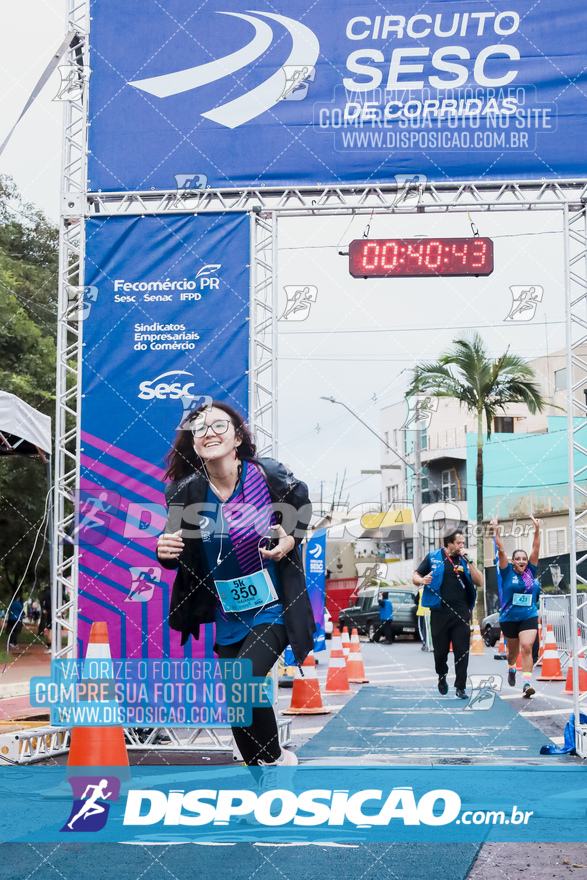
<point x="182" y="459"/>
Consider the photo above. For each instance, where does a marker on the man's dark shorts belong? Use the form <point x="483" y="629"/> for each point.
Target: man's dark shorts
<point x="512" y="628"/>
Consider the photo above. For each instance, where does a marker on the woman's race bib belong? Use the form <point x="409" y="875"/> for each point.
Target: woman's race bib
<point x="524" y="599"/>
<point x="247" y="592"/>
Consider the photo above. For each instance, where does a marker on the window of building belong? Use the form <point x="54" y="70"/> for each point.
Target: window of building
<point x="395" y="437"/>
<point x="450" y="489"/>
<point x="387" y="439"/>
<point x="556" y="541"/>
<point x="560" y="379"/>
<point x="424" y="439"/>
<point x="503" y="425"/>
<point x="424" y="479"/>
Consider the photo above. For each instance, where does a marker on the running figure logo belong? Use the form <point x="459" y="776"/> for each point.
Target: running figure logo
<point x="190" y="182"/>
<point x="297" y="81"/>
<point x="524" y="302"/>
<point x="421" y="408"/>
<point x="483" y="691"/>
<point x="144" y="581"/>
<point x="73" y="81"/>
<point x="299" y="302"/>
<point x="90" y="808"/>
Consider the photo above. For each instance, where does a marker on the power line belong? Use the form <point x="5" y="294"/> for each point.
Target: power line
<point x="313" y="247"/>
<point x="430" y="328"/>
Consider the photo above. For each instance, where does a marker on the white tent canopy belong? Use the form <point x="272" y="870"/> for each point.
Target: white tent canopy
<point x="23" y="430"/>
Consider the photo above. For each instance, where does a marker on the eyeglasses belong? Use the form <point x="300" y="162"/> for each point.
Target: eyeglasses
<point x="220" y="426"/>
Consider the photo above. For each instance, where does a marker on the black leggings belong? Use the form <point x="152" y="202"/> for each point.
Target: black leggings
<point x="263" y="645"/>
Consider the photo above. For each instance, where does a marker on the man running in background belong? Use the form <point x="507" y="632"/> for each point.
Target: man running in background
<point x="449" y="579"/>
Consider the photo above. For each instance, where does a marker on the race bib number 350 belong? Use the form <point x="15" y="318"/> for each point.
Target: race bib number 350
<point x="250" y="591"/>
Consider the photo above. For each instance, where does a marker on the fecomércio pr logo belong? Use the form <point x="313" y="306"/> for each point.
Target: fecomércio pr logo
<point x="92" y="796"/>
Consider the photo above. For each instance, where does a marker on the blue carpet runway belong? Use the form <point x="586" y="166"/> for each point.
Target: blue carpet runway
<point x="405" y="725"/>
<point x="379" y="725"/>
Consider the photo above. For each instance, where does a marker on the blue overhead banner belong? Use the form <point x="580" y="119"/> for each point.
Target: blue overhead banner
<point x="216" y="95"/>
<point x="166" y="324"/>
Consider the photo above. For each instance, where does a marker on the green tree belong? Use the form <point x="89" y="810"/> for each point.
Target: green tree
<point x="483" y="386"/>
<point x="28" y="298"/>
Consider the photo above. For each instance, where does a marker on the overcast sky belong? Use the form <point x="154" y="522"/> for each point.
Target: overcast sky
<point x="361" y="337"/>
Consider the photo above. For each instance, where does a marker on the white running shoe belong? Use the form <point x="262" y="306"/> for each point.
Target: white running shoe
<point x="286" y="759"/>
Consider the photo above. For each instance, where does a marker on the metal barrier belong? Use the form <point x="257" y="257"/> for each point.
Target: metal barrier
<point x="199" y="739"/>
<point x="556" y="612"/>
<point x="34" y="744"/>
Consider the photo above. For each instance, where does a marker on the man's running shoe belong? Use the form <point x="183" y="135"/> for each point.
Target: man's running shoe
<point x="442" y="685"/>
<point x="512" y="677"/>
<point x="528" y="690"/>
<point x="461" y="694"/>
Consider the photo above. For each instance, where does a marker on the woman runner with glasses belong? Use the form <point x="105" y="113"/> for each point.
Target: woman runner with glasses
<point x="241" y="567"/>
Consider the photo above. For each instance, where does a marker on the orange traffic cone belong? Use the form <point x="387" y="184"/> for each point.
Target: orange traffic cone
<point x="540" y="645"/>
<point x="477" y="641"/>
<point x="519" y="662"/>
<point x="502" y="651"/>
<point x="305" y="696"/>
<point x="346" y="643"/>
<point x="337" y="680"/>
<point x="102" y="747"/>
<point x="551" y="664"/>
<point x="582" y="673"/>
<point x="355" y="668"/>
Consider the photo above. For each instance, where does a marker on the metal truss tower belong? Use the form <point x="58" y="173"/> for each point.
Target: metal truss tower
<point x="69" y="336"/>
<point x="575" y="241"/>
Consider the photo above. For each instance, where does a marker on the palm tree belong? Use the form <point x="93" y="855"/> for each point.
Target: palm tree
<point x="483" y="386"/>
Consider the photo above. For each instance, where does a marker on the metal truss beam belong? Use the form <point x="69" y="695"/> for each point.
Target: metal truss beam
<point x="263" y="344"/>
<point x="521" y="195"/>
<point x="69" y="339"/>
<point x="575" y="242"/>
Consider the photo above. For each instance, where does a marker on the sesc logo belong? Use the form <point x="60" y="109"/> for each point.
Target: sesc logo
<point x="163" y="390"/>
<point x="156" y="389"/>
<point x="291" y="79"/>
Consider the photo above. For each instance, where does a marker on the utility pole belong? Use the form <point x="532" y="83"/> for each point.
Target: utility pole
<point x="417" y="537"/>
<point x="416" y="467"/>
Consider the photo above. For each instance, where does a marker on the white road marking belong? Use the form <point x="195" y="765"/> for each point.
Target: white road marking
<point x="545" y="713"/>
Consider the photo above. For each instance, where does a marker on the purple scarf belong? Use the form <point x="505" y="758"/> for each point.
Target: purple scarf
<point x="528" y="579"/>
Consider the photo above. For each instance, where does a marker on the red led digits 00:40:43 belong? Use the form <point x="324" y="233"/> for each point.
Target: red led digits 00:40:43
<point x="419" y="257"/>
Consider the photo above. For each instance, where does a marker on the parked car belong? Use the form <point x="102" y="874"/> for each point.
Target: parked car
<point x="364" y="613"/>
<point x="490" y="629"/>
<point x="328" y="625"/>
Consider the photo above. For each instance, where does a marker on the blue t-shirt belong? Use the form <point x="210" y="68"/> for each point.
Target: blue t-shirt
<point x="512" y="584"/>
<point x="385" y="610"/>
<point x="15" y="612"/>
<point x="231" y="550"/>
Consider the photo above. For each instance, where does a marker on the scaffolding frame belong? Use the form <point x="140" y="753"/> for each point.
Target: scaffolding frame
<point x="68" y="391"/>
<point x="266" y="205"/>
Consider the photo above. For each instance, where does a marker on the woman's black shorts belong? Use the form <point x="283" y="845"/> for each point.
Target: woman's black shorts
<point x="512" y="628"/>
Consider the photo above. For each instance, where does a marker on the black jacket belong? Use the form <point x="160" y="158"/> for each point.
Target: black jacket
<point x="193" y="598"/>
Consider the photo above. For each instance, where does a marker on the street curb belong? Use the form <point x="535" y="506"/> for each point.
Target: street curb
<point x="16" y="689"/>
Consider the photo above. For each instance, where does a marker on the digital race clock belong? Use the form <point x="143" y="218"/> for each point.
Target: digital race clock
<point x="417" y="257"/>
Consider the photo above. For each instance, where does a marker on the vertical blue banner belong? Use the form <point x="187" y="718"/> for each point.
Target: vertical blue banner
<point x="316" y="583"/>
<point x="166" y="321"/>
